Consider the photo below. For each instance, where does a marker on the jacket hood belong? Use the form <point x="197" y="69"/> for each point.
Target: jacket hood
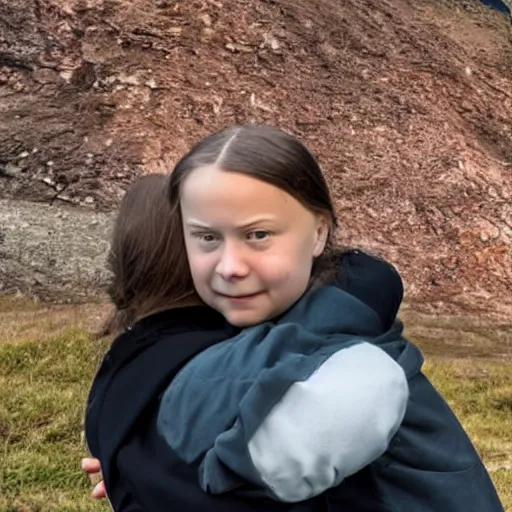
<point x="373" y="281"/>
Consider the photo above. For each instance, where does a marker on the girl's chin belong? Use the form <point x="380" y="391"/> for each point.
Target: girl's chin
<point x="245" y="318"/>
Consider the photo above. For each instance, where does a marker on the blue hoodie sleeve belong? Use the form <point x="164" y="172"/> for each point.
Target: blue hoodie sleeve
<point x="291" y="408"/>
<point x="338" y="414"/>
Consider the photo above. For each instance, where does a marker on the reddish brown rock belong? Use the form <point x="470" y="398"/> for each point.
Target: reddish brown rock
<point x="407" y="105"/>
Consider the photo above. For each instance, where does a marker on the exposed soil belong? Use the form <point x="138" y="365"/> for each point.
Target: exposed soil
<point x="54" y="253"/>
<point x="407" y="104"/>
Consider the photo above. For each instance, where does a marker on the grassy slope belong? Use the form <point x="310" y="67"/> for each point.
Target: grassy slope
<point x="46" y="368"/>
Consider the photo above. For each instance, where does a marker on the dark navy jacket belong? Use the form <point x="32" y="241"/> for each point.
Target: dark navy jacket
<point x="143" y="474"/>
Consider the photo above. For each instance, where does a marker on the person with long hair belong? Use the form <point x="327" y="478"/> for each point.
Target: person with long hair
<point x="264" y="385"/>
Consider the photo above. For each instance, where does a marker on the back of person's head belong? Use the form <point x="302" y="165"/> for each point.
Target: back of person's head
<point x="147" y="257"/>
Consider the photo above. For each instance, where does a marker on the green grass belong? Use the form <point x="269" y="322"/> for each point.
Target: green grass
<point x="45" y="372"/>
<point x="46" y="369"/>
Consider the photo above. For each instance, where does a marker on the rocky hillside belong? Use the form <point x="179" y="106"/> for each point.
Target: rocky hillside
<point x="407" y="104"/>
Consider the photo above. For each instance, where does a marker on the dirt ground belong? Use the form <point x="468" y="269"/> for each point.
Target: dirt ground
<point x="53" y="252"/>
<point x="407" y="104"/>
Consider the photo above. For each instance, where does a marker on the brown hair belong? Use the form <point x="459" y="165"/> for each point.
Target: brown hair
<point x="147" y="257"/>
<point x="270" y="155"/>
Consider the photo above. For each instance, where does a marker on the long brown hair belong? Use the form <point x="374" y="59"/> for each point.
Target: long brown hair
<point x="147" y="257"/>
<point x="270" y="155"/>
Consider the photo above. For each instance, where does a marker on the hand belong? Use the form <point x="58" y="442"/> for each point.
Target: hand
<point x="92" y="467"/>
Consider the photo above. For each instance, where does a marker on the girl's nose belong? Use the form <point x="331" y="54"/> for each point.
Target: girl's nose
<point x="232" y="264"/>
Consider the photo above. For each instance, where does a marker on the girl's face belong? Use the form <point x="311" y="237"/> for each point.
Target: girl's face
<point x="250" y="245"/>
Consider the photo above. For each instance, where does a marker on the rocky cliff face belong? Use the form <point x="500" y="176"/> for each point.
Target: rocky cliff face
<point x="408" y="106"/>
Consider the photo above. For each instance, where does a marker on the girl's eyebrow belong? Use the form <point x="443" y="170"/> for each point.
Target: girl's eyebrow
<point x="256" y="221"/>
<point x="194" y="223"/>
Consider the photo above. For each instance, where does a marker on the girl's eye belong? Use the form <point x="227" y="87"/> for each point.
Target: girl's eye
<point x="205" y="238"/>
<point x="258" y="236"/>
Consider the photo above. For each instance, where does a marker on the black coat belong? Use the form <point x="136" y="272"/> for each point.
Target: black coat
<point x="140" y="470"/>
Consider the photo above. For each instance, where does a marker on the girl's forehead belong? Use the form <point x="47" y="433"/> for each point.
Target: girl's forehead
<point x="212" y="184"/>
<point x="211" y="195"/>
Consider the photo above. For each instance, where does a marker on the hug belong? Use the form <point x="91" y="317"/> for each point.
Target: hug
<point x="257" y="366"/>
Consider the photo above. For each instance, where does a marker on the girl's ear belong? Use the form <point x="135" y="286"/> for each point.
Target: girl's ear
<point x="322" y="233"/>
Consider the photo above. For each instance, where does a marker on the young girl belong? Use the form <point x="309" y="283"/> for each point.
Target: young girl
<point x="160" y="324"/>
<point x="303" y="402"/>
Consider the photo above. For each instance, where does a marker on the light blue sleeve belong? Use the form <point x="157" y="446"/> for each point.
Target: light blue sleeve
<point x="336" y="413"/>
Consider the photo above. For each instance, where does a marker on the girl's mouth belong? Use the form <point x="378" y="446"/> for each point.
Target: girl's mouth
<point x="239" y="298"/>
